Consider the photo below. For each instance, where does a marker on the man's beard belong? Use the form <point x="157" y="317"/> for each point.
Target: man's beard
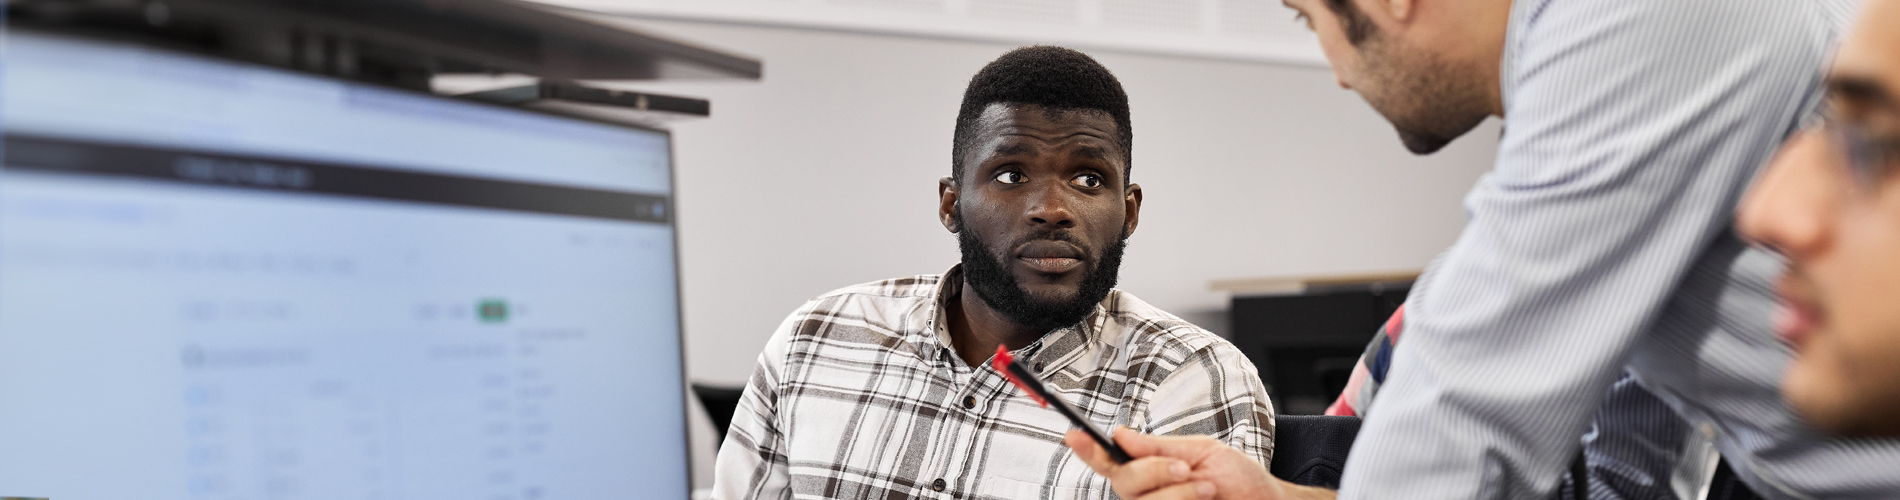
<point x="1429" y="101"/>
<point x="988" y="274"/>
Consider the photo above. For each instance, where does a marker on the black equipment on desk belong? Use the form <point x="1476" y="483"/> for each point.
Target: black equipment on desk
<point x="1305" y="344"/>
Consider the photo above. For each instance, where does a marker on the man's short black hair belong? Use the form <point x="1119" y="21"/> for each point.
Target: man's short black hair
<point x="1055" y="78"/>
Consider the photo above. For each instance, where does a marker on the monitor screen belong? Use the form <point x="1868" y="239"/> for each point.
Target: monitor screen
<point x="226" y="281"/>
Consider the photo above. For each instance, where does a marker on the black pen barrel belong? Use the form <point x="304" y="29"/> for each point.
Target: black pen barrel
<point x="1034" y="383"/>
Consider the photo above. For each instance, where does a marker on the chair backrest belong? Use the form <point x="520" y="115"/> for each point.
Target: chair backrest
<point x="720" y="402"/>
<point x="1725" y="485"/>
<point x="1311" y="449"/>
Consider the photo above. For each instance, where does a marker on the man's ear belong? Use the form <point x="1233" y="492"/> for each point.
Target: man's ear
<point x="947" y="203"/>
<point x="1133" y="201"/>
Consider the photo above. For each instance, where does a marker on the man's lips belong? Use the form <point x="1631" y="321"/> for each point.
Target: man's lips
<point x="1049" y="256"/>
<point x="1051" y="265"/>
<point x="1797" y="319"/>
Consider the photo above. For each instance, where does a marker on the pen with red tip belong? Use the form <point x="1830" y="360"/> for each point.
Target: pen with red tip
<point x="1019" y="375"/>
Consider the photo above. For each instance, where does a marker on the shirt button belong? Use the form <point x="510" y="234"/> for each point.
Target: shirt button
<point x="969" y="402"/>
<point x="937" y="485"/>
<point x="1038" y="367"/>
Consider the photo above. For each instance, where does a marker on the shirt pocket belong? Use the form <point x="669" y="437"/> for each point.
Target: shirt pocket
<point x="1000" y="488"/>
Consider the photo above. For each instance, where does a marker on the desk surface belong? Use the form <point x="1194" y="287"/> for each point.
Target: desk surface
<point x="1285" y="285"/>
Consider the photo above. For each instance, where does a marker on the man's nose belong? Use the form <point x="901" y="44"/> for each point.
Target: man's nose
<point x="1790" y="208"/>
<point x="1050" y="205"/>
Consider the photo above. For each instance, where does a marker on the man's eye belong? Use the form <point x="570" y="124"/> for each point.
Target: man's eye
<point x="1087" y="180"/>
<point x="1011" y="177"/>
<point x="1885" y="159"/>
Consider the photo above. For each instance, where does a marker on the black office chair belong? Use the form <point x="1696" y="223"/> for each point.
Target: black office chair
<point x="1725" y="486"/>
<point x="720" y="402"/>
<point x="1311" y="450"/>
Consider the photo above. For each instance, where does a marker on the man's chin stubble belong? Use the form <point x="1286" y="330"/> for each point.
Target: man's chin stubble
<point x="1425" y="100"/>
<point x="1421" y="144"/>
<point x="1435" y="136"/>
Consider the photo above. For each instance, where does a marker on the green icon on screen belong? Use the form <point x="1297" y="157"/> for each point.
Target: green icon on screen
<point x="493" y="310"/>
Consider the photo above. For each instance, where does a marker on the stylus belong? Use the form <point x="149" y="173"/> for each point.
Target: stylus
<point x="1020" y="376"/>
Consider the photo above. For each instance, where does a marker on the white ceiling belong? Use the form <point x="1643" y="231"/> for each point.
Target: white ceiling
<point x="1252" y="30"/>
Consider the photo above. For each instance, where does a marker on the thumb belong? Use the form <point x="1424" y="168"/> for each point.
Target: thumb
<point x="1135" y="443"/>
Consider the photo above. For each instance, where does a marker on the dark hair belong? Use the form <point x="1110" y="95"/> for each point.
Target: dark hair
<point x="1053" y="77"/>
<point x="1354" y="22"/>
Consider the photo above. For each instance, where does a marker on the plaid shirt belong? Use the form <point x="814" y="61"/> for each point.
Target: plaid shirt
<point x="859" y="395"/>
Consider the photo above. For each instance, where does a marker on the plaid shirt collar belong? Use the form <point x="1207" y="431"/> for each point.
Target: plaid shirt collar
<point x="1063" y="346"/>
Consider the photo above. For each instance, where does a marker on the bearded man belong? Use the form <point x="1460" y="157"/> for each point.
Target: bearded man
<point x="881" y="390"/>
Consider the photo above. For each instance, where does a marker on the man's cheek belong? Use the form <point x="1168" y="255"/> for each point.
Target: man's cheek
<point x="1865" y="266"/>
<point x="1818" y="384"/>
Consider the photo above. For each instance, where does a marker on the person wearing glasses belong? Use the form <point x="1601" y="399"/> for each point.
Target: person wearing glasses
<point x="1830" y="204"/>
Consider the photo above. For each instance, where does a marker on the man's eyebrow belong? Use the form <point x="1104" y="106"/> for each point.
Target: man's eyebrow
<point x="1092" y="153"/>
<point x="1861" y="90"/>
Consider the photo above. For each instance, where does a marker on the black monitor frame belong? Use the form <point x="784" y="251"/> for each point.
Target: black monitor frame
<point x="395" y="42"/>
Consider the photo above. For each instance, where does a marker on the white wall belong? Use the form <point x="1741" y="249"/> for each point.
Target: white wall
<point x="1253" y="30"/>
<point x="824" y="174"/>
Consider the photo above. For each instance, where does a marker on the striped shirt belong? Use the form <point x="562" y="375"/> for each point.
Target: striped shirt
<point x="860" y="395"/>
<point x="1636" y="448"/>
<point x="1600" y="243"/>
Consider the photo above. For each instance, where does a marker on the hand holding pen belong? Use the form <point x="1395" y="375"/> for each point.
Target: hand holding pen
<point x="1169" y="467"/>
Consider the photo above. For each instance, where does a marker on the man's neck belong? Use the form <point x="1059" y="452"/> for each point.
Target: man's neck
<point x="976" y="328"/>
<point x="1495" y="25"/>
<point x="1470" y="37"/>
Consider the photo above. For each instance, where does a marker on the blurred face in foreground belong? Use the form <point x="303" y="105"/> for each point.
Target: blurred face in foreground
<point x="1830" y="203"/>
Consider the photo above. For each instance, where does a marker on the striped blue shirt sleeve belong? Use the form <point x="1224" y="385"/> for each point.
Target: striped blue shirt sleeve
<point x="1631" y="128"/>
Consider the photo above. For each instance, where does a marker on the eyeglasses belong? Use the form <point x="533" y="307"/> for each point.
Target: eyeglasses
<point x="1868" y="158"/>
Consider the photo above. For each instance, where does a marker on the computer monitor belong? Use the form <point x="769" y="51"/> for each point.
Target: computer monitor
<point x="221" y="280"/>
